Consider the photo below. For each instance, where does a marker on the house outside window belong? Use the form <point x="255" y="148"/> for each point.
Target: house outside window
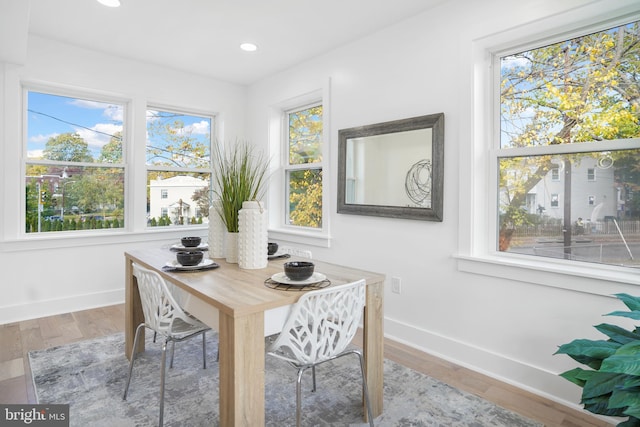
<point x="178" y="158"/>
<point x="303" y="167"/>
<point x="567" y="112"/>
<point x="74" y="167"/>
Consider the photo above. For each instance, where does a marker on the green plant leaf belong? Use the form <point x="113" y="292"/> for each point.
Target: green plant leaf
<point x="602" y="383"/>
<point x="623" y="397"/>
<point x="635" y="315"/>
<point x="633" y="411"/>
<point x="631" y="422"/>
<point x="625" y="361"/>
<point x="632" y="302"/>
<point x="618" y="334"/>
<point x="589" y="352"/>
<point x="599" y="405"/>
<point x="576" y="376"/>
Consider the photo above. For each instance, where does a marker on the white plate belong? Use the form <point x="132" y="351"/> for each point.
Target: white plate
<point x="180" y="247"/>
<point x="282" y="278"/>
<point x="204" y="263"/>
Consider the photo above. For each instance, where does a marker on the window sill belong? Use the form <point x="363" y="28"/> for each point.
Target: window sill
<point x="593" y="279"/>
<point x="309" y="238"/>
<point x="92" y="238"/>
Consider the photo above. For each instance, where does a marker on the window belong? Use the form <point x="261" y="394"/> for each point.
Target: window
<point x="303" y="167"/>
<point x="178" y="158"/>
<point x="571" y="107"/>
<point x="74" y="167"/>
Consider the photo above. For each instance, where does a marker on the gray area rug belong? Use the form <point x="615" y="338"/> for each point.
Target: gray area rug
<point x="90" y="377"/>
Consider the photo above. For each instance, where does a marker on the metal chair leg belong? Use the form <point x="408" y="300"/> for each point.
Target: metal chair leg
<point x="133" y="357"/>
<point x="299" y="397"/>
<point x="173" y="350"/>
<point x="313" y="374"/>
<point x="162" y="378"/>
<point x="204" y="351"/>
<point x="365" y="389"/>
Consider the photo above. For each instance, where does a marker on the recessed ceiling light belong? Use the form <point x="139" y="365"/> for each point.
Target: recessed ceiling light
<point x="110" y="3"/>
<point x="248" y="47"/>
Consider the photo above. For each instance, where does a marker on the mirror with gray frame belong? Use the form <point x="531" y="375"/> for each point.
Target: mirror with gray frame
<point x="393" y="169"/>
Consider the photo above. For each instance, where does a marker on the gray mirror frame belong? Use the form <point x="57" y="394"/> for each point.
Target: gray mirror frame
<point x="433" y="121"/>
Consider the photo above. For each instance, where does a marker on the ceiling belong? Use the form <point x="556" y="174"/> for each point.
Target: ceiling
<point x="203" y="36"/>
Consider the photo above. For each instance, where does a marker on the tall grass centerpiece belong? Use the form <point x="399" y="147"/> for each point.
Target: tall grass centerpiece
<point x="239" y="176"/>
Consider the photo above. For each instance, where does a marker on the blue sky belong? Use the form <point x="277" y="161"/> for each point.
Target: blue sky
<point x="52" y="115"/>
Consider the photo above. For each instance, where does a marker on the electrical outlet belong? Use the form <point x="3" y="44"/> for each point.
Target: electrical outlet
<point x="396" y="285"/>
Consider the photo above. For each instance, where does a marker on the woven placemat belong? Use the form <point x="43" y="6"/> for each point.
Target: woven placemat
<point x="270" y="283"/>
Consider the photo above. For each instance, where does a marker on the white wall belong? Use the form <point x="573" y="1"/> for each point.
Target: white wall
<point x="506" y="328"/>
<point x="49" y="274"/>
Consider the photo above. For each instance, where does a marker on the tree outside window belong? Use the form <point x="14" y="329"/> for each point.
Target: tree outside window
<point x="572" y="107"/>
<point x="178" y="158"/>
<point x="303" y="167"/>
<point x="74" y="163"/>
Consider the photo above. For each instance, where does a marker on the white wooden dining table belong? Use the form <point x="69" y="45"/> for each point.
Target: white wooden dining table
<point x="235" y="302"/>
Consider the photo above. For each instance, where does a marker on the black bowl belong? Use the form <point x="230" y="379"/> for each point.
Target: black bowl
<point x="298" y="270"/>
<point x="190" y="242"/>
<point x="272" y="248"/>
<point x="189" y="258"/>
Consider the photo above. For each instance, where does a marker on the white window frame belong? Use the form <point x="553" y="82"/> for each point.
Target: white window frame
<point x="70" y="92"/>
<point x="212" y="141"/>
<point x="478" y="214"/>
<point x="279" y="229"/>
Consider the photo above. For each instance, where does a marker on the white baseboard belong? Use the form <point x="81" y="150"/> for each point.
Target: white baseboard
<point x="34" y="310"/>
<point x="514" y="372"/>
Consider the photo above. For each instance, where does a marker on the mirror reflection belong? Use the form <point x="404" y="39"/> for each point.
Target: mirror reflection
<point x="392" y="169"/>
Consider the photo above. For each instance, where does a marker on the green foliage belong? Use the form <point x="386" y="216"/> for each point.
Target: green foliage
<point x="612" y="385"/>
<point x="239" y="176"/>
<point x="305" y="185"/>
<point x="69" y="147"/>
<point x="305" y="198"/>
<point x="581" y="90"/>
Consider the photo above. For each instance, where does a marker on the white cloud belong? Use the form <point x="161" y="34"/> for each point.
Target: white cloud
<point x="38" y="139"/>
<point x="111" y="111"/>
<point x="100" y="134"/>
<point x="200" y="128"/>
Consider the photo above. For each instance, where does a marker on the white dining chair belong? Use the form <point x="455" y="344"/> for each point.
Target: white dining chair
<point x="318" y="329"/>
<point x="164" y="316"/>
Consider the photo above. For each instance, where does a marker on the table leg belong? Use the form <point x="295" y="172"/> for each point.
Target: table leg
<point x="241" y="346"/>
<point x="133" y="314"/>
<point x="374" y="346"/>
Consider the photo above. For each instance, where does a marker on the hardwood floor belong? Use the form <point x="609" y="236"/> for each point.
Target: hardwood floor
<point x="17" y="339"/>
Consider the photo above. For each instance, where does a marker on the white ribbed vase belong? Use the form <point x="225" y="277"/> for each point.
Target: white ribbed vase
<point x="252" y="236"/>
<point x="231" y="247"/>
<point x="217" y="232"/>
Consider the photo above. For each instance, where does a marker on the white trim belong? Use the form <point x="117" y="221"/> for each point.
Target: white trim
<point x="277" y="129"/>
<point x="518" y="373"/>
<point x="478" y="162"/>
<point x="34" y="310"/>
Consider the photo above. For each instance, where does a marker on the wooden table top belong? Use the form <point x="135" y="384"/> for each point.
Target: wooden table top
<point x="239" y="292"/>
